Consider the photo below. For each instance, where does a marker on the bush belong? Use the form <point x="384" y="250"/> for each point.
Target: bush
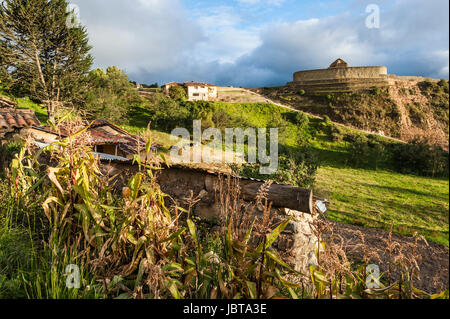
<point x="418" y="157"/>
<point x="359" y="151"/>
<point x="336" y="133"/>
<point x="166" y="113"/>
<point x="111" y="95"/>
<point x="444" y="85"/>
<point x="301" y="120"/>
<point x="177" y="93"/>
<point x="296" y="168"/>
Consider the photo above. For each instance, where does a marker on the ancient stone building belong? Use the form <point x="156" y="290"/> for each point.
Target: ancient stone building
<point x="340" y="77"/>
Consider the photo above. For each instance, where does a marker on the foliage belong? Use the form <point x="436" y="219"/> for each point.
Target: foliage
<point x="166" y="114"/>
<point x="7" y="152"/>
<point x="133" y="244"/>
<point x="297" y="168"/>
<point x="437" y="94"/>
<point x="419" y="157"/>
<point x="41" y="56"/>
<point x="178" y="93"/>
<point x="15" y="252"/>
<point x="110" y="95"/>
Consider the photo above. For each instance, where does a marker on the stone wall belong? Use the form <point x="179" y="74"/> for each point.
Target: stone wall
<point x="297" y="242"/>
<point x="363" y="72"/>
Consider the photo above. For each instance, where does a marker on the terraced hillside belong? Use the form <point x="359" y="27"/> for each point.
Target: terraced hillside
<point x="406" y="110"/>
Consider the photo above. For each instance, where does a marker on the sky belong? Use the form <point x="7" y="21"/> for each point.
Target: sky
<point x="256" y="43"/>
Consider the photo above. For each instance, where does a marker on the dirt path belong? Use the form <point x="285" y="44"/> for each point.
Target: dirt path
<point x="433" y="258"/>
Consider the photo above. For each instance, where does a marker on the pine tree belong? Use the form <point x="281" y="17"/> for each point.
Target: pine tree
<point x="41" y="54"/>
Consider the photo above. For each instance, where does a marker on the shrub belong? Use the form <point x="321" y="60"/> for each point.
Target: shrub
<point x="444" y="85"/>
<point x="111" y="95"/>
<point x="336" y="133"/>
<point x="166" y="114"/>
<point x="359" y="151"/>
<point x="301" y="120"/>
<point x="418" y="157"/>
<point x="297" y="168"/>
<point x="177" y="93"/>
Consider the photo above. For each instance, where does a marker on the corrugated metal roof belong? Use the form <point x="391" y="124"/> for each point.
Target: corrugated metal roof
<point x="103" y="156"/>
<point x="109" y="157"/>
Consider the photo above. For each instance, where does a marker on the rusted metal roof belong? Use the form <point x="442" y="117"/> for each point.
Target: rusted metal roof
<point x="13" y="119"/>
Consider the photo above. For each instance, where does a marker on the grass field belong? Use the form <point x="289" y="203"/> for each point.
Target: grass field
<point x="359" y="196"/>
<point x="378" y="198"/>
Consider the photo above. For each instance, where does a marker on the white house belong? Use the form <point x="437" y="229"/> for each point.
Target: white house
<point x="196" y="91"/>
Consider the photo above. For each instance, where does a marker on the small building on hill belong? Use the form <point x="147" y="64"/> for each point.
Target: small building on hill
<point x="196" y="91"/>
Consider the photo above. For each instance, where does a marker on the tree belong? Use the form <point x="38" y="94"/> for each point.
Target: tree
<point x="178" y="93"/>
<point x="42" y="56"/>
<point x="110" y="94"/>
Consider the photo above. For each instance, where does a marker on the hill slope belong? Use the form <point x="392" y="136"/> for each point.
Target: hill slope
<point x="368" y="194"/>
<point x="406" y="110"/>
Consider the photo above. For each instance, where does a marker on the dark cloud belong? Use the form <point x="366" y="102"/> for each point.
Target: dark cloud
<point x="155" y="40"/>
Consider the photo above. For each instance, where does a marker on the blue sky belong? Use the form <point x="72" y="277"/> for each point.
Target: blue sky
<point x="255" y="43"/>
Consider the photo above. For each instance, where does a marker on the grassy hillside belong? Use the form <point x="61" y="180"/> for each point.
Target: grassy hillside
<point x="404" y="110"/>
<point x="378" y="198"/>
<point x="360" y="194"/>
<point x="367" y="192"/>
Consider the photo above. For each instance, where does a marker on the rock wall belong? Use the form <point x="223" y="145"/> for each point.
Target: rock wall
<point x="297" y="242"/>
<point x="363" y="72"/>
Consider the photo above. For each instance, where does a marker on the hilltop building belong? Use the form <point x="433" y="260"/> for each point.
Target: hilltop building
<point x="196" y="91"/>
<point x="340" y="77"/>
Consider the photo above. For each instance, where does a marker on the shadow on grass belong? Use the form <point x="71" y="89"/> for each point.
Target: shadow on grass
<point x="438" y="236"/>
<point x="404" y="190"/>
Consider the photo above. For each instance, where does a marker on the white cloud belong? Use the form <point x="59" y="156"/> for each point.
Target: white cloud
<point x="269" y="2"/>
<point x="148" y="34"/>
<point x="159" y="40"/>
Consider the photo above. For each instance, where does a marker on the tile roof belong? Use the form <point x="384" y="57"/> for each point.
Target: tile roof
<point x="104" y="132"/>
<point x="12" y="119"/>
<point x="198" y="84"/>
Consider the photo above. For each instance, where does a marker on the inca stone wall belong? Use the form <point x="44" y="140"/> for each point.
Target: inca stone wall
<point x="339" y="78"/>
<point x="363" y="72"/>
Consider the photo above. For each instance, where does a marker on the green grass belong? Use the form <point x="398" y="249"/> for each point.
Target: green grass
<point x="378" y="198"/>
<point x="359" y="196"/>
<point x="40" y="110"/>
<point x="26" y="103"/>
